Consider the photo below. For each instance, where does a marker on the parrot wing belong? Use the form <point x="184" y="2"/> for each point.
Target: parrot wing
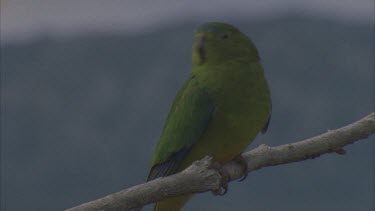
<point x="265" y="127"/>
<point x="187" y="120"/>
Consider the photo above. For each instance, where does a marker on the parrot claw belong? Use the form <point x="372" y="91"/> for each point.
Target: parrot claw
<point x="225" y="178"/>
<point x="241" y="160"/>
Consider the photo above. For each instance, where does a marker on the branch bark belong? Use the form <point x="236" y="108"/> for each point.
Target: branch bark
<point x="199" y="177"/>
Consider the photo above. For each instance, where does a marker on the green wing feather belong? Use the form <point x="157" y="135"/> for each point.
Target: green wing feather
<point x="187" y="120"/>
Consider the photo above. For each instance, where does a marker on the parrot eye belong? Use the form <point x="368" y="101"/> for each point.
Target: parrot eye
<point x="225" y="36"/>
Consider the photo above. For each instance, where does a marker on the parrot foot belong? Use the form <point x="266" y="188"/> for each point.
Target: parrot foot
<point x="225" y="178"/>
<point x="241" y="160"/>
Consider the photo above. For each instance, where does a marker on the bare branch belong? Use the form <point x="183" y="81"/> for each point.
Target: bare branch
<point x="199" y="177"/>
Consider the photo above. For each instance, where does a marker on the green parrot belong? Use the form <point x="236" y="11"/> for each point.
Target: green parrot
<point x="219" y="110"/>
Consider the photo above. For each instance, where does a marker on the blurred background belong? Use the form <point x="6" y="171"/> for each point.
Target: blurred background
<point x="86" y="86"/>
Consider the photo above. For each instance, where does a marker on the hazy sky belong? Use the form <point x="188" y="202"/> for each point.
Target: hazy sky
<point x="24" y="18"/>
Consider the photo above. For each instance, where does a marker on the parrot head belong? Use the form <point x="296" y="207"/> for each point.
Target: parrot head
<point x="216" y="43"/>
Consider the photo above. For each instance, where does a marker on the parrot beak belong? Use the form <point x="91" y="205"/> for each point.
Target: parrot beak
<point x="200" y="47"/>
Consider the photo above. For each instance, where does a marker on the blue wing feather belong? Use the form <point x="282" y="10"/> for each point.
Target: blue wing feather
<point x="168" y="167"/>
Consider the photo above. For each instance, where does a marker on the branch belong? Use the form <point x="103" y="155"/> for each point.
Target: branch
<point x="199" y="177"/>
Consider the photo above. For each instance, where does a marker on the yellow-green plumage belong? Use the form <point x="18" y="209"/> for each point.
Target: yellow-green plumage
<point x="220" y="109"/>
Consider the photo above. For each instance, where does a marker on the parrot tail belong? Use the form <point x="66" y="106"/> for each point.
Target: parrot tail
<point x="172" y="204"/>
